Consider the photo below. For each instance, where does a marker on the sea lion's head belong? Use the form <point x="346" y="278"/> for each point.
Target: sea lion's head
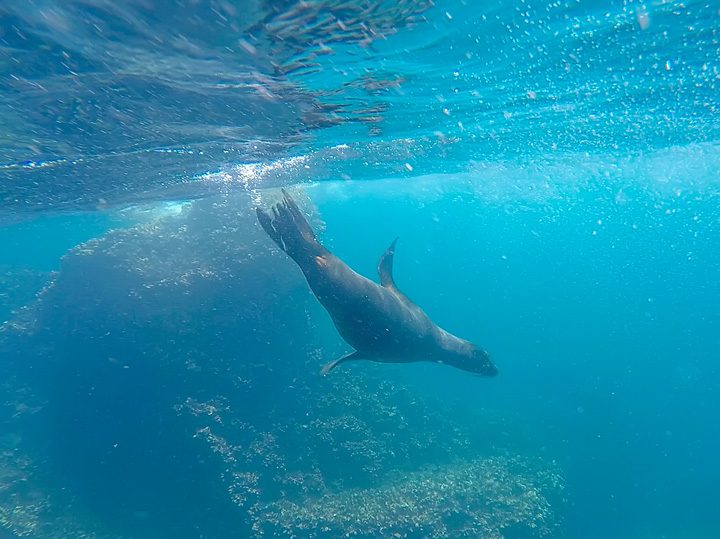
<point x="472" y="359"/>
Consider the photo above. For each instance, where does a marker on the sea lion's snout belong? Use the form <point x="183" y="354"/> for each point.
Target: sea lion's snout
<point x="482" y="364"/>
<point x="490" y="370"/>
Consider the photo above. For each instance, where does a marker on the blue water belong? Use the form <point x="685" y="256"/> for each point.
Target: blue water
<point x="551" y="171"/>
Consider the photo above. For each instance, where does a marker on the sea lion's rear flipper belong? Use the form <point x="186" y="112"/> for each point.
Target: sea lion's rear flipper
<point x="266" y="222"/>
<point x="347" y="357"/>
<point x="301" y="223"/>
<point x="385" y="268"/>
<point x="289" y="228"/>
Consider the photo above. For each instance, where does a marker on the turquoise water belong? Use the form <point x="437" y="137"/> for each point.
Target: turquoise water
<point x="551" y="171"/>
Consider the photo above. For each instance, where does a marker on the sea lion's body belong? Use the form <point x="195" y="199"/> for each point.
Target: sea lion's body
<point x="377" y="320"/>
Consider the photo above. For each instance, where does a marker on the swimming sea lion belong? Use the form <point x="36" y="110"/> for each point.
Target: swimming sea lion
<point x="380" y="322"/>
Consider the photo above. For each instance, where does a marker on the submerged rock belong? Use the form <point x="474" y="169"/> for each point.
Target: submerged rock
<point x="481" y="498"/>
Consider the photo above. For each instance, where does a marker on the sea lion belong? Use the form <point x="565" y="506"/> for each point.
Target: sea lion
<point x="379" y="321"/>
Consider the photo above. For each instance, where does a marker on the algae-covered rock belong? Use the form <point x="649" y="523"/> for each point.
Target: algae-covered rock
<point x="481" y="498"/>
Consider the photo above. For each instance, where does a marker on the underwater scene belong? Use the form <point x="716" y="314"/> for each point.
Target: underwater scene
<point x="359" y="268"/>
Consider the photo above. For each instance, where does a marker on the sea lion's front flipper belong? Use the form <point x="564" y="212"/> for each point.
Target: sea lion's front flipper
<point x="385" y="267"/>
<point x="347" y="357"/>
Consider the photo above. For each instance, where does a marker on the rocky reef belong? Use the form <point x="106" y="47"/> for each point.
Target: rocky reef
<point x="167" y="384"/>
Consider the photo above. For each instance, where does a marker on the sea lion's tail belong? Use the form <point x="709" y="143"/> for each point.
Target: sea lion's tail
<point x="289" y="228"/>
